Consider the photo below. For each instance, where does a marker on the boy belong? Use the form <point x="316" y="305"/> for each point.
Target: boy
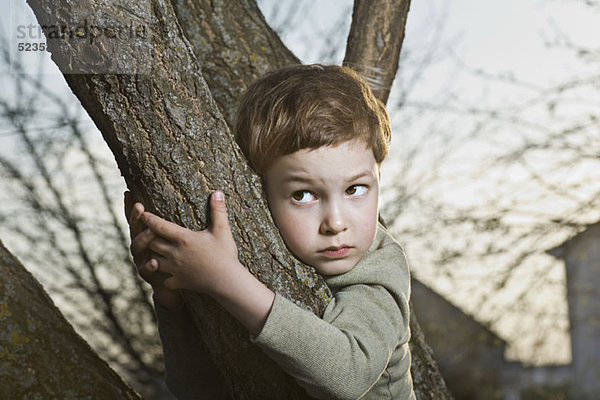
<point x="317" y="136"/>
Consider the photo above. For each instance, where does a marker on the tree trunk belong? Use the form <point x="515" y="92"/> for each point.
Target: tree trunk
<point x="41" y="355"/>
<point x="166" y="128"/>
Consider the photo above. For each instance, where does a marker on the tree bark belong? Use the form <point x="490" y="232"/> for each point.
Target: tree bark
<point x="41" y="355"/>
<point x="375" y="41"/>
<point x="166" y="129"/>
<point x="234" y="44"/>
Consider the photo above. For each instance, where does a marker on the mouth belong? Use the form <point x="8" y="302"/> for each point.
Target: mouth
<point x="335" y="251"/>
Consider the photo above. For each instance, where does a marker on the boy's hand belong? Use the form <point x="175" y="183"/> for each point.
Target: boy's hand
<point x="147" y="266"/>
<point x="173" y="257"/>
<point x="201" y="261"/>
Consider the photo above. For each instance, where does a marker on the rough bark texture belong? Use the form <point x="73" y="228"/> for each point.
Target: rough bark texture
<point x="173" y="146"/>
<point x="375" y="41"/>
<point x="41" y="355"/>
<point x="234" y="45"/>
<point x="427" y="379"/>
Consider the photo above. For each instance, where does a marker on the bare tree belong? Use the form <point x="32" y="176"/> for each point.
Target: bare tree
<point x="157" y="125"/>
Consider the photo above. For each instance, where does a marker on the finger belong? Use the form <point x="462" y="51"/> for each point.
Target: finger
<point x="162" y="227"/>
<point x="149" y="267"/>
<point x="218" y="212"/>
<point x="140" y="243"/>
<point x="129" y="204"/>
<point x="153" y="272"/>
<point x="148" y="270"/>
<point x="163" y="265"/>
<point x="136" y="225"/>
<point x="172" y="283"/>
<point x="161" y="246"/>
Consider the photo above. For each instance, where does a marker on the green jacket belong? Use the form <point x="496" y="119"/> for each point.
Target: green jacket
<point x="357" y="350"/>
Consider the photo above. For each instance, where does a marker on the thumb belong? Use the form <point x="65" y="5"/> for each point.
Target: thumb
<point x="218" y="211"/>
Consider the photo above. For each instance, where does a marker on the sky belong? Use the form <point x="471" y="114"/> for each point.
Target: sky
<point x="505" y="38"/>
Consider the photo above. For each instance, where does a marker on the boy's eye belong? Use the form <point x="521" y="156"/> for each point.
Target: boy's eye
<point x="302" y="196"/>
<point x="356" y="190"/>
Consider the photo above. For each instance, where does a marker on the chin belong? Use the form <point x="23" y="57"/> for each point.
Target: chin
<point x="335" y="268"/>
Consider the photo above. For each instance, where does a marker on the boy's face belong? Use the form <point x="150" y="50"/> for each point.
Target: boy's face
<point x="324" y="202"/>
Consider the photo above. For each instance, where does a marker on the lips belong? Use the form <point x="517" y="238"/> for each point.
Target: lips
<point x="335" y="251"/>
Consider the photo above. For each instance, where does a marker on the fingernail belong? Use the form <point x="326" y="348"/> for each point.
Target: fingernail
<point x="218" y="195"/>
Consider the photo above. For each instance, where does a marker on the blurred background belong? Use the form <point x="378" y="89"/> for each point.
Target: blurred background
<point x="491" y="185"/>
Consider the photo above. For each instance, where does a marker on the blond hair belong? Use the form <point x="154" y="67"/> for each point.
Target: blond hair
<point x="306" y="107"/>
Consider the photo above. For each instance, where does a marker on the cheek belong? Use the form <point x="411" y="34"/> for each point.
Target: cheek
<point x="295" y="231"/>
<point x="292" y="229"/>
<point x="371" y="232"/>
<point x="367" y="226"/>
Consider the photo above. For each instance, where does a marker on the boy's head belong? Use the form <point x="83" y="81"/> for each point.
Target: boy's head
<point x="317" y="135"/>
<point x="307" y="107"/>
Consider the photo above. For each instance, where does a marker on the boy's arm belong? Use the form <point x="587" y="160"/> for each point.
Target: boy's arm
<point x="190" y="373"/>
<point x="361" y="340"/>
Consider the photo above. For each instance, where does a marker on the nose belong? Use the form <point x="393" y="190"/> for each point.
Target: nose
<point x="333" y="220"/>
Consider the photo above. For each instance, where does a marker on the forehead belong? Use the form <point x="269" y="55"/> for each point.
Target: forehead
<point x="326" y="164"/>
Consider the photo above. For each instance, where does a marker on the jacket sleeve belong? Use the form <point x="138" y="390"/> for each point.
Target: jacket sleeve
<point x="363" y="330"/>
<point x="337" y="359"/>
<point x="189" y="370"/>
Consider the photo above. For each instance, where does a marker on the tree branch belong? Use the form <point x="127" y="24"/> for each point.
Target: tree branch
<point x="31" y="331"/>
<point x="375" y="41"/>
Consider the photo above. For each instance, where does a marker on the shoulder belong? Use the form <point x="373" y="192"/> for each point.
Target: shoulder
<point x="384" y="245"/>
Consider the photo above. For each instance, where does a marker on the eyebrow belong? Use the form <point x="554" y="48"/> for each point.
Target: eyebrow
<point x="363" y="174"/>
<point x="308" y="179"/>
